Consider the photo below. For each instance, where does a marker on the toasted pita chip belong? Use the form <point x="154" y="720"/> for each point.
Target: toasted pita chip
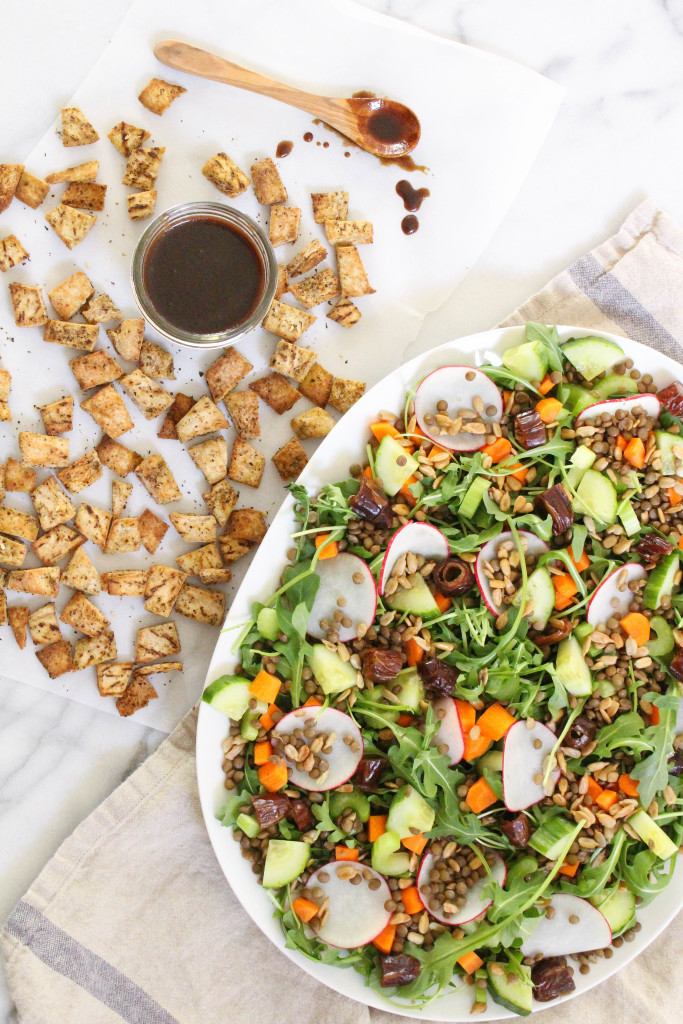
<point x="201" y="604"/>
<point x="160" y="667"/>
<point x="143" y="167"/>
<point x="276" y="391"/>
<point x="82" y="172"/>
<point x="127" y="138"/>
<point x="56" y="659"/>
<point x="112" y="680"/>
<point x="58" y="416"/>
<point x="28" y="305"/>
<point x="44" y="581"/>
<point x="345" y="313"/>
<point x="84" y="616"/>
<point x="81" y="473"/>
<point x="352" y="276"/>
<point x="284" y="224"/>
<point x="226" y="372"/>
<point x="18" y="620"/>
<point x="160" y="641"/>
<point x="247" y="524"/>
<point x="210" y="576"/>
<point x="5" y="384"/>
<point x="194" y="529"/>
<point x="348" y="232"/>
<point x="233" y="549"/>
<point x="12" y="253"/>
<point x="9" y="179"/>
<point x="85" y="195"/>
<point x="19" y="477"/>
<point x="12" y="552"/>
<point x="292" y="360"/>
<point x="93" y="523"/>
<point x="71" y="295"/>
<point x="43" y="625"/>
<point x="158" y="95"/>
<point x="329" y="206"/>
<point x="203" y="418"/>
<point x="181" y="405"/>
<point x="268" y="185"/>
<point x="221" y="499"/>
<point x="308" y="258"/>
<point x="156" y="362"/>
<point x="76" y="129"/>
<point x="93" y="650"/>
<point x="52" y="504"/>
<point x="81" y="336"/>
<point x="312" y="423"/>
<point x="127" y="338"/>
<point x="150" y="398"/>
<point x="31" y="190"/>
<point x="120" y="493"/>
<point x="242" y="409"/>
<point x="117" y="457"/>
<point x="290" y="460"/>
<point x="125" y="582"/>
<point x="206" y="557"/>
<point x="70" y="225"/>
<point x="345" y="393"/>
<point x="56" y="544"/>
<point x="5" y="412"/>
<point x="3" y="607"/>
<point x="162" y="589"/>
<point x="41" y="450"/>
<point x="101" y="309"/>
<point x="246" y="464"/>
<point x="282" y="285"/>
<point x="154" y="474"/>
<point x="141" y="204"/>
<point x="81" y="574"/>
<point x="152" y="530"/>
<point x="225" y="175"/>
<point x="123" y="536"/>
<point x="18" y="524"/>
<point x="94" y="369"/>
<point x="321" y="287"/>
<point x="211" y="457"/>
<point x="137" y="695"/>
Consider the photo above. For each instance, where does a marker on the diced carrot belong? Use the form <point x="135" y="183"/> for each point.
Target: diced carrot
<point x="498" y="450"/>
<point x="414" y="653"/>
<point x="262" y="751"/>
<point x="606" y="799"/>
<point x="582" y="563"/>
<point x="475" y="748"/>
<point x="346" y="853"/>
<point x="621" y="442"/>
<point x="377" y="826"/>
<point x="385" y="940"/>
<point x="546" y="385"/>
<point x="326" y="547"/>
<point x="405" y="719"/>
<point x="634" y="452"/>
<point x="312" y="702"/>
<point x="628" y="785"/>
<point x="265" y="687"/>
<point x="443" y="603"/>
<point x="273" y="776"/>
<point x="367" y="472"/>
<point x="549" y="409"/>
<point x="480" y="796"/>
<point x="470" y="962"/>
<point x="519" y="472"/>
<point x="507" y="395"/>
<point x="593" y="789"/>
<point x="680" y="543"/>
<point x="495" y="722"/>
<point x="565" y="589"/>
<point x="419" y="432"/>
<point x="654" y="716"/>
<point x="436" y="451"/>
<point x="305" y="910"/>
<point x="673" y="496"/>
<point x="467" y="715"/>
<point x="411" y="900"/>
<point x="637" y="626"/>
<point x="569" y="869"/>
<point x="415" y="844"/>
<point x="405" y="493"/>
<point x="382" y="428"/>
<point x="266" y="720"/>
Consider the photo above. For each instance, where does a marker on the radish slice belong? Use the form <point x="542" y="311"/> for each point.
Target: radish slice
<point x="534" y="546"/>
<point x="459" y="386"/>
<point x="650" y="405"/>
<point x="523" y="763"/>
<point x="355" y="914"/>
<point x="342" y="760"/>
<point x="608" y="600"/>
<point x="560" y="936"/>
<point x="450" y="728"/>
<point x="418" y="538"/>
<point x="359" y="599"/>
<point x="475" y="903"/>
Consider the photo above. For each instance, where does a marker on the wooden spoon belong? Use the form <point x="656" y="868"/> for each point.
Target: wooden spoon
<point x="382" y="127"/>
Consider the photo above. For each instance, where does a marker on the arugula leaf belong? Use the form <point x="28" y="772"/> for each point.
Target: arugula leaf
<point x="652" y="772"/>
<point x="550" y="339"/>
<point x="326" y="824"/>
<point x="624" y="731"/>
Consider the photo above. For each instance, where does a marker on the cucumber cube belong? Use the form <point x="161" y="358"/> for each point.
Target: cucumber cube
<point x="409" y="813"/>
<point x="229" y="694"/>
<point x="592" y="356"/>
<point x="655" y="837"/>
<point x="529" y="361"/>
<point x="571" y="668"/>
<point x="285" y="860"/>
<point x="333" y="674"/>
<point x="386" y="857"/>
<point x="394" y="465"/>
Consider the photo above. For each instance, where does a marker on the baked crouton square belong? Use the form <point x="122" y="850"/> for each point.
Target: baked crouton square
<point x="276" y="391"/>
<point x="221" y="499"/>
<point x="345" y="313"/>
<point x="28" y="305"/>
<point x="9" y="179"/>
<point x="44" y="582"/>
<point x="84" y="616"/>
<point x="158" y="95"/>
<point x="108" y="410"/>
<point x="242" y="409"/>
<point x="348" y="232"/>
<point x="330" y="206"/>
<point x="70" y="225"/>
<point x="94" y="650"/>
<point x="286" y="321"/>
<point x="52" y="505"/>
<point x="308" y="258"/>
<point x="284" y="225"/>
<point x="141" y="204"/>
<point x="292" y="360"/>
<point x="127" y="338"/>
<point x="155" y="475"/>
<point x="123" y="536"/>
<point x="18" y="524"/>
<point x="117" y="457"/>
<point x="211" y="457"/>
<point x="125" y="582"/>
<point x="268" y="186"/>
<point x="93" y="523"/>
<point x="345" y="393"/>
<point x="5" y="384"/>
<point x="31" y="190"/>
<point x="80" y="336"/>
<point x="120" y="493"/>
<point x="156" y="361"/>
<point x="162" y="588"/>
<point x="181" y="405"/>
<point x="226" y="373"/>
<point x="127" y="138"/>
<point x="352" y="276"/>
<point x="290" y="460"/>
<point x="206" y="557"/>
<point x="136" y="696"/>
<point x="282" y="285"/>
<point x="12" y="253"/>
<point x="56" y="659"/>
<point x="321" y="287"/>
<point x="43" y="625"/>
<point x="81" y="473"/>
<point x="247" y="524"/>
<point x="143" y="167"/>
<point x="18" y="620"/>
<point x="71" y="295"/>
<point x="224" y="173"/>
<point x="203" y="418"/>
<point x="81" y="172"/>
<point x="85" y="195"/>
<point x="81" y="574"/>
<point x="56" y="544"/>
<point x="101" y="309"/>
<point x="76" y="129"/>
<point x="160" y="641"/>
<point x="58" y="416"/>
<point x="5" y="411"/>
<point x="194" y="529"/>
<point x="94" y="369"/>
<point x="150" y="398"/>
<point x="246" y="464"/>
<point x="233" y="549"/>
<point x="3" y="605"/>
<point x="41" y="450"/>
<point x="112" y="680"/>
<point x="12" y="552"/>
<point x="19" y="477"/>
<point x="214" y="575"/>
<point x="152" y="530"/>
<point x="201" y="604"/>
<point x="312" y="423"/>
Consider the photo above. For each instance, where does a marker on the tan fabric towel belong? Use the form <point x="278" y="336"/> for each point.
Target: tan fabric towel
<point x="133" y="921"/>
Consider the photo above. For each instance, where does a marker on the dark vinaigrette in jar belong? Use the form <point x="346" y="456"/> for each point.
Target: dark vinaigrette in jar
<point x="204" y="276"/>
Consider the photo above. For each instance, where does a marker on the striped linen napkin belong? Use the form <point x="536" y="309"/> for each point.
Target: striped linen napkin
<point x="132" y="919"/>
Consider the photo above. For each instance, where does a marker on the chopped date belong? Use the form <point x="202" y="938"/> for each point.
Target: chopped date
<point x="453" y="577"/>
<point x="554" y="502"/>
<point x="529" y="429"/>
<point x="675" y="765"/>
<point x="381" y="664"/>
<point x="438" y="677"/>
<point x="369" y="772"/>
<point x="372" y="504"/>
<point x="270" y="809"/>
<point x="300" y="813"/>
<point x="560" y="631"/>
<point x="552" y="978"/>
<point x="671" y="398"/>
<point x="676" y="666"/>
<point x="398" y="969"/>
<point x="581" y="732"/>
<point x="518" y="831"/>
<point x="652" y="547"/>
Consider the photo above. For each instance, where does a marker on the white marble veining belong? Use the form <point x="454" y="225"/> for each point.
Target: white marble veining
<point x="618" y="137"/>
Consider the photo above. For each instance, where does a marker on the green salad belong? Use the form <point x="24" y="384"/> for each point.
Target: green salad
<point x="455" y="745"/>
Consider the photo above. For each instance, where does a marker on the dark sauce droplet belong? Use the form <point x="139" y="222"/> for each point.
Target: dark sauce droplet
<point x="363" y="94"/>
<point x="325" y="145"/>
<point x="412" y="197"/>
<point x="308" y="137"/>
<point x="284" y="148"/>
<point x="410" y="224"/>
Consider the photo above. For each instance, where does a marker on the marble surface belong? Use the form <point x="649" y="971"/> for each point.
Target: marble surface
<point x="618" y="137"/>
